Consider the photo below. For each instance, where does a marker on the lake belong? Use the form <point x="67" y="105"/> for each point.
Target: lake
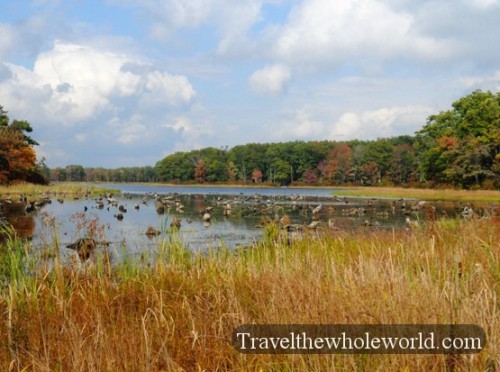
<point x="237" y="215"/>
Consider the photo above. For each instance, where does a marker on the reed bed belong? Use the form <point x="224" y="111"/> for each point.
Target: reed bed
<point x="175" y="309"/>
<point x="60" y="189"/>
<point x="425" y="194"/>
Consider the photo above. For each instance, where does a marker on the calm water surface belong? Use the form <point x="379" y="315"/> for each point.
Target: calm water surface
<point x="231" y="226"/>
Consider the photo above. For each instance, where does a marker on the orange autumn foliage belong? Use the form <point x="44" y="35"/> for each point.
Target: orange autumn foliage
<point x="22" y="158"/>
<point x="16" y="157"/>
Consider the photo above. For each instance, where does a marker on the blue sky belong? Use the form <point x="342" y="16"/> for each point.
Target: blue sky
<point x="126" y="82"/>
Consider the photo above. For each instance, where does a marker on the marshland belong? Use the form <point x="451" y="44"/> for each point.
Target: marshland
<point x="173" y="305"/>
<point x="146" y="277"/>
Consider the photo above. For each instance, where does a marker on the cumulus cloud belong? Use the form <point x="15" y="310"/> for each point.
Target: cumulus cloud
<point x="351" y="69"/>
<point x="173" y="89"/>
<point x="383" y="122"/>
<point x="76" y="95"/>
<point x="323" y="35"/>
<point x="270" y="79"/>
<point x="7" y="40"/>
<point x="23" y="39"/>
<point x="325" y="32"/>
<point x="80" y="137"/>
<point x="485" y="82"/>
<point x="299" y="124"/>
<point x="307" y="124"/>
<point x="483" y="4"/>
<point x="129" y="130"/>
<point x="74" y="83"/>
<point x="231" y="19"/>
<point x="4" y="72"/>
<point x="194" y="130"/>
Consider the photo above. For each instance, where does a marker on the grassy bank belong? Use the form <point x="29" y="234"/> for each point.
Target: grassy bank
<point x="368" y="191"/>
<point x="176" y="309"/>
<point x="423" y="194"/>
<point x="70" y="189"/>
<point x="60" y="189"/>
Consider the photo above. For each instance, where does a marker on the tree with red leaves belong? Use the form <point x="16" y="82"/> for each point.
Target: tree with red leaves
<point x="200" y="172"/>
<point x="257" y="175"/>
<point x="17" y="156"/>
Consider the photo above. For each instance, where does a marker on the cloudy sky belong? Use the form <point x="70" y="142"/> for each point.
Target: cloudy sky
<point x="125" y="82"/>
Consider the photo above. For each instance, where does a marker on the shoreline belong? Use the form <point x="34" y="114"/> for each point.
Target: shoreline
<point x="355" y="191"/>
<point x="341" y="191"/>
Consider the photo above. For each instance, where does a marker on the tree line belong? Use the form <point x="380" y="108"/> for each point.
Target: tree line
<point x="77" y="173"/>
<point x="459" y="147"/>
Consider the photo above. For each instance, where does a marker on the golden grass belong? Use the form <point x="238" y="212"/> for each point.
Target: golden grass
<point x="178" y="313"/>
<point x="426" y="194"/>
<point x="62" y="189"/>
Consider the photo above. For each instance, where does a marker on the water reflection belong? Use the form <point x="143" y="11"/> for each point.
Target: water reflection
<point x="233" y="217"/>
<point x="14" y="214"/>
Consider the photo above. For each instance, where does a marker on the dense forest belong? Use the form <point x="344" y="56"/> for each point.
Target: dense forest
<point x="459" y="147"/>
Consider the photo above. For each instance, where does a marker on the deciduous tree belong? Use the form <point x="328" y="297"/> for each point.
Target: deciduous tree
<point x="200" y="172"/>
<point x="17" y="156"/>
<point x="257" y="175"/>
<point x="460" y="145"/>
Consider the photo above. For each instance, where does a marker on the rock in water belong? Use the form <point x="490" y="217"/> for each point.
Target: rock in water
<point x="84" y="247"/>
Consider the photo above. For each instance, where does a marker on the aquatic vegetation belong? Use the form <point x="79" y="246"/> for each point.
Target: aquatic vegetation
<point x="61" y="189"/>
<point x="425" y="194"/>
<point x="173" y="308"/>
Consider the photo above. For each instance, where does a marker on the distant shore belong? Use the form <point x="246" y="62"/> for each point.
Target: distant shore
<point x="340" y="190"/>
<point x="355" y="191"/>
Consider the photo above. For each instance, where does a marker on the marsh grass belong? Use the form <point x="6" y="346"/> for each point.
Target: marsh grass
<point x="60" y="189"/>
<point x="176" y="309"/>
<point x="425" y="194"/>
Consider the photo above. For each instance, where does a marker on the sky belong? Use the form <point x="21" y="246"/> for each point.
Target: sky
<point x="113" y="83"/>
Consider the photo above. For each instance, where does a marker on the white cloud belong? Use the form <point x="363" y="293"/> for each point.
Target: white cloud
<point x="351" y="69"/>
<point x="76" y="83"/>
<point x="76" y="95"/>
<point x="235" y="19"/>
<point x="307" y="124"/>
<point x="299" y="125"/>
<point x="270" y="79"/>
<point x="194" y="130"/>
<point x="7" y="39"/>
<point x="319" y="35"/>
<point x="383" y="122"/>
<point x="482" y="4"/>
<point x="52" y="153"/>
<point x="173" y="89"/>
<point x="487" y="82"/>
<point x="23" y="38"/>
<point x="324" y="32"/>
<point x="231" y="19"/>
<point x="81" y="137"/>
<point x="130" y="131"/>
<point x="183" y="125"/>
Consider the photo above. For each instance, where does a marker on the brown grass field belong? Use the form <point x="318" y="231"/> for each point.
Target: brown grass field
<point x="76" y="188"/>
<point x="424" y="194"/>
<point x="175" y="310"/>
<point x="62" y="189"/>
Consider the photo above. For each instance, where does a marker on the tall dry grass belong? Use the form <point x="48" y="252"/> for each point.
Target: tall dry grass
<point x="175" y="310"/>
<point x="425" y="194"/>
<point x="60" y="189"/>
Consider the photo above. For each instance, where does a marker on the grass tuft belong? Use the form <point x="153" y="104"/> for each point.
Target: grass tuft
<point x="424" y="194"/>
<point x="175" y="309"/>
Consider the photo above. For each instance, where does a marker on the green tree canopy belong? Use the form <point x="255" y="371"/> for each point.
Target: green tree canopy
<point x="462" y="145"/>
<point x="21" y="126"/>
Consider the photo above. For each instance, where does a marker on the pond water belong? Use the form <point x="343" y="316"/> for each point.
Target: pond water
<point x="237" y="215"/>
